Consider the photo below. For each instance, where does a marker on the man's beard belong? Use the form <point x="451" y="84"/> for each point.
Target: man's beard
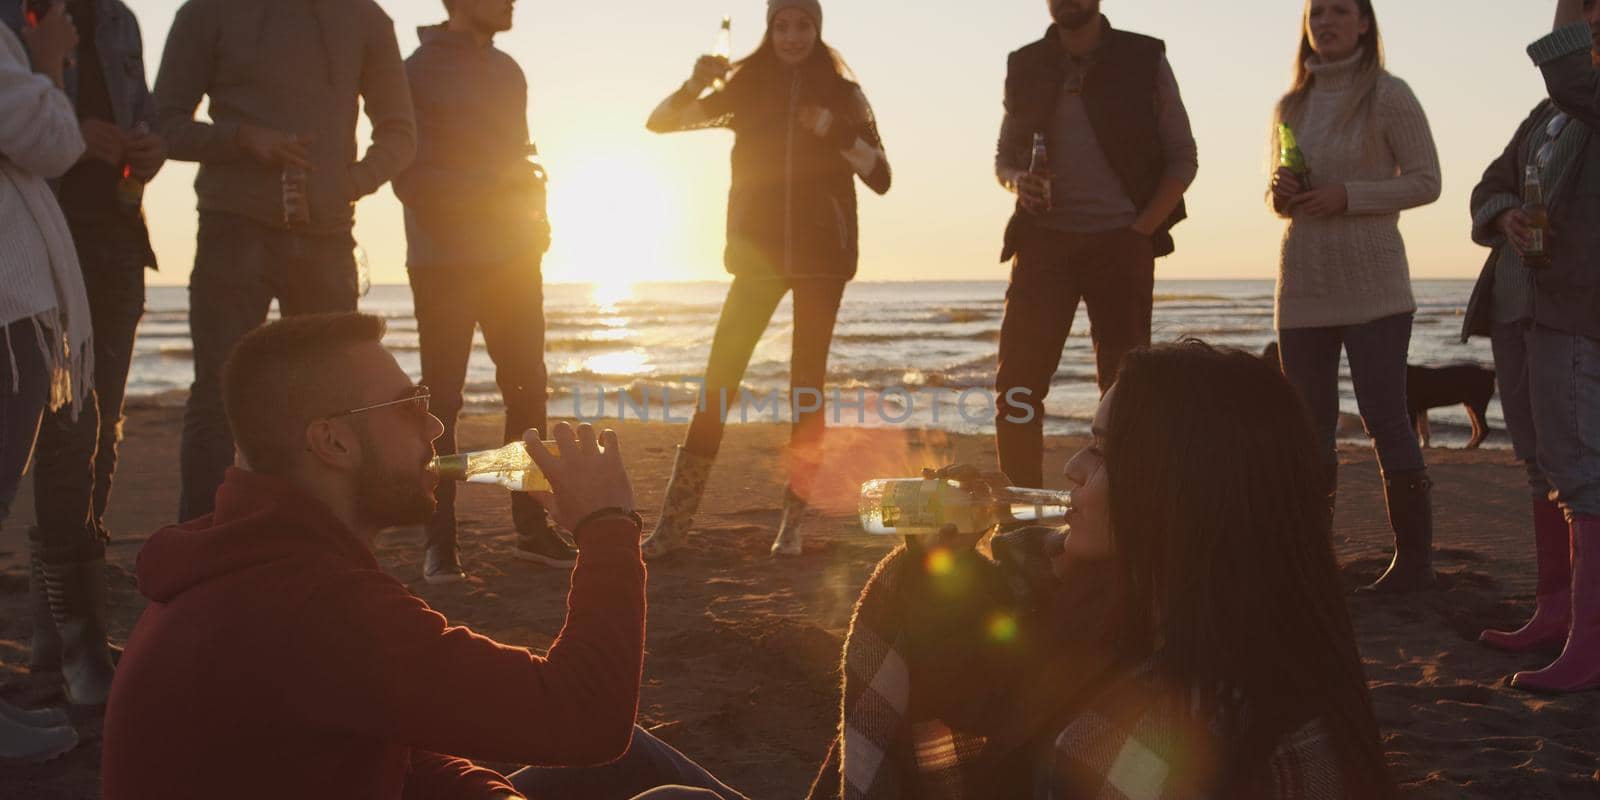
<point x="391" y="498"/>
<point x="1073" y="19"/>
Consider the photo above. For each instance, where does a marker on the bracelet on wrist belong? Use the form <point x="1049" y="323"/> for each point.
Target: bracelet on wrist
<point x="611" y="511"/>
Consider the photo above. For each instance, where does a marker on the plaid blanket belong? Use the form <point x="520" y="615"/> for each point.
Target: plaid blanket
<point x="937" y="704"/>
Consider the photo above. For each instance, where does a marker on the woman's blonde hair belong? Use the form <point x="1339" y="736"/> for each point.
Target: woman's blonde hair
<point x="1363" y="99"/>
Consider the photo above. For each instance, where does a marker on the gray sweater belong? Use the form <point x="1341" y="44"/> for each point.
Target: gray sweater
<point x="295" y="66"/>
<point x="472" y="198"/>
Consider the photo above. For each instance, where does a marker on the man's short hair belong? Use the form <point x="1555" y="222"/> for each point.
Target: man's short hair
<point x="285" y="374"/>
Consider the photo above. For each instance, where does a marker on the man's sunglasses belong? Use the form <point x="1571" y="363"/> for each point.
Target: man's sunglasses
<point x="416" y="398"/>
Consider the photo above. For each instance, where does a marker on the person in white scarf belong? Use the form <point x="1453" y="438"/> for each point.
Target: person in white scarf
<point x="44" y="311"/>
<point x="39" y="276"/>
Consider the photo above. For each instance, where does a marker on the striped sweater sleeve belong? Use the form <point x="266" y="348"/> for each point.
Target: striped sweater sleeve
<point x="38" y="128"/>
<point x="1404" y="129"/>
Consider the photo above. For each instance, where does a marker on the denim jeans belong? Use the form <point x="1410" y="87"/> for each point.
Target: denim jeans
<point x="650" y="769"/>
<point x="23" y="394"/>
<point x="1113" y="273"/>
<point x="1377" y="352"/>
<point x="745" y="315"/>
<point x="240" y="266"/>
<point x="1564" y="376"/>
<point x="75" y="459"/>
<point x="508" y="303"/>
<point x="1511" y="342"/>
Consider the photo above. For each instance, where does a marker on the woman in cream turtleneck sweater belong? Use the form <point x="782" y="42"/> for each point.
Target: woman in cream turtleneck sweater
<point x="1343" y="282"/>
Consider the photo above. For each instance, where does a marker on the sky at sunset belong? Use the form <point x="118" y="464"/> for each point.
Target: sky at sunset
<point x="630" y="205"/>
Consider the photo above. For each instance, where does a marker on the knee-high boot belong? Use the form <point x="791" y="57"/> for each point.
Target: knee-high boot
<point x="1408" y="495"/>
<point x="1552" y="609"/>
<point x="1578" y="667"/>
<point x="688" y="483"/>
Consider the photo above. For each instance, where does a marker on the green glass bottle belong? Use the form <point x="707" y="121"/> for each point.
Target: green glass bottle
<point x="1290" y="156"/>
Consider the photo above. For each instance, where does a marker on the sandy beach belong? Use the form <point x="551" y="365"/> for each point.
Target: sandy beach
<point x="742" y="666"/>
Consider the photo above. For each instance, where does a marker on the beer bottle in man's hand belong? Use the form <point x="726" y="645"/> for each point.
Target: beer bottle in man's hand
<point x="1537" y="256"/>
<point x="1039" y="166"/>
<point x="296" y="201"/>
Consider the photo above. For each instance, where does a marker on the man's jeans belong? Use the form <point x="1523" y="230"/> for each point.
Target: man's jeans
<point x="75" y="459"/>
<point x="650" y="769"/>
<point x="1113" y="273"/>
<point x="240" y="266"/>
<point x="1377" y="351"/>
<point x="23" y="394"/>
<point x="508" y="302"/>
<point x="1511" y="343"/>
<point x="1558" y="410"/>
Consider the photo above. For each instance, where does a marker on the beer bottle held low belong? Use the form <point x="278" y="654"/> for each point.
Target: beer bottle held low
<point x="1039" y="166"/>
<point x="1291" y="157"/>
<point x="1537" y="256"/>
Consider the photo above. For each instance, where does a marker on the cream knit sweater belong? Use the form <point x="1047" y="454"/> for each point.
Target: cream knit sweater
<point x="1351" y="268"/>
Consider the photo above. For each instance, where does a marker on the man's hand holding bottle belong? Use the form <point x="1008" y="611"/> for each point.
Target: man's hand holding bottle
<point x="587" y="479"/>
<point x="1517" y="227"/>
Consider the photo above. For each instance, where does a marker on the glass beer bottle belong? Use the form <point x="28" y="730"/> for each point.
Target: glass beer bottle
<point x="509" y="466"/>
<point x="1291" y="158"/>
<point x="723" y="49"/>
<point x="920" y="506"/>
<point x="1537" y="256"/>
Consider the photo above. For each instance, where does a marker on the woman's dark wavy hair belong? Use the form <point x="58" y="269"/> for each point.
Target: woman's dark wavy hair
<point x="763" y="74"/>
<point x="1221" y="528"/>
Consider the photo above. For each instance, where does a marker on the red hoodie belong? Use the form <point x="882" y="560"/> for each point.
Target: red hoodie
<point x="277" y="660"/>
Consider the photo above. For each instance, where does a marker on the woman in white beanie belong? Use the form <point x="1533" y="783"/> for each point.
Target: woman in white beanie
<point x="803" y="132"/>
<point x="44" y="312"/>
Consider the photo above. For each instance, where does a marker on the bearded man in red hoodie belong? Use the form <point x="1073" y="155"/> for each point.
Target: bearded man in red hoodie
<point x="276" y="659"/>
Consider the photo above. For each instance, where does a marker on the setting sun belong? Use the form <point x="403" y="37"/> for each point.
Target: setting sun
<point x="613" y="216"/>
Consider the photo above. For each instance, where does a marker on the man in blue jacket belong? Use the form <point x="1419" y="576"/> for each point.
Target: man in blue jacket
<point x="476" y="233"/>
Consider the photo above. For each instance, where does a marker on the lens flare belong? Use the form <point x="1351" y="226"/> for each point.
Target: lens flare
<point x="1002" y="627"/>
<point x="941" y="562"/>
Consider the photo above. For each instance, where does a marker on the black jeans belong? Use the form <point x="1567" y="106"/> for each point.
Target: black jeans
<point x="508" y="303"/>
<point x="75" y="459"/>
<point x="22" y="365"/>
<point x="240" y="266"/>
<point x="650" y="769"/>
<point x="745" y="314"/>
<point x="1113" y="273"/>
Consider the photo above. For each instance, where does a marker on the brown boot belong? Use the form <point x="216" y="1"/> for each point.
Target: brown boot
<point x="77" y="591"/>
<point x="45" y="655"/>
<point x="1411" y="517"/>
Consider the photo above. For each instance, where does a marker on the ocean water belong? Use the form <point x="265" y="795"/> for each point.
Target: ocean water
<point x="903" y="353"/>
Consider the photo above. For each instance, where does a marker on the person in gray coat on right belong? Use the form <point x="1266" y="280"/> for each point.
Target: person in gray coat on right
<point x="1544" y="322"/>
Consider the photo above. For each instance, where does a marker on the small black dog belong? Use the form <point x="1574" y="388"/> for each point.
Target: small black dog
<point x="1439" y="387"/>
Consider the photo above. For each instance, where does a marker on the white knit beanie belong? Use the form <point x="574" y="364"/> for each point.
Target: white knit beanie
<point x="811" y="7"/>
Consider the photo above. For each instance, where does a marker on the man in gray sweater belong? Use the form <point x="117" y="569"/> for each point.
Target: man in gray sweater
<point x="279" y="175"/>
<point x="476" y="234"/>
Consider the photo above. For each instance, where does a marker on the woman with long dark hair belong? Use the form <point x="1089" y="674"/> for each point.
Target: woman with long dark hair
<point x="1343" y="281"/>
<point x="802" y="131"/>
<point x="1189" y="636"/>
